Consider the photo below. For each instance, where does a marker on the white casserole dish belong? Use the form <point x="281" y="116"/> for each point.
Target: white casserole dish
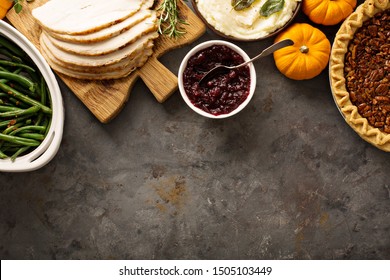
<point x="46" y="151"/>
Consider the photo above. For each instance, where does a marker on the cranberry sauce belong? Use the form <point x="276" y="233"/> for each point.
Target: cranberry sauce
<point x="222" y="93"/>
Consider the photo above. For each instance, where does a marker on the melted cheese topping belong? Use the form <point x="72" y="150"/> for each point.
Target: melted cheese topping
<point x="247" y="23"/>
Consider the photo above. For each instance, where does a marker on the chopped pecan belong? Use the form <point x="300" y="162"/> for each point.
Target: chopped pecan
<point x="367" y="70"/>
<point x="382" y="89"/>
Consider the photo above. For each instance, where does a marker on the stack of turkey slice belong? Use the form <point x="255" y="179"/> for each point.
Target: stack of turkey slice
<point x="97" y="39"/>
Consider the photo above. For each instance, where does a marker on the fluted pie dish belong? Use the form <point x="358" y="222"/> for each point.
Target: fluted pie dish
<point x="360" y="72"/>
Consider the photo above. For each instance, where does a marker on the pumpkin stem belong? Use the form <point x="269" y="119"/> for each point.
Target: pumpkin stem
<point x="304" y="49"/>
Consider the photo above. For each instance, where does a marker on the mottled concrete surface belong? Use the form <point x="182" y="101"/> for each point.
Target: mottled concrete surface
<point x="286" y="178"/>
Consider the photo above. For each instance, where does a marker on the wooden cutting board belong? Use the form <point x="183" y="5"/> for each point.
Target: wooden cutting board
<point x="105" y="99"/>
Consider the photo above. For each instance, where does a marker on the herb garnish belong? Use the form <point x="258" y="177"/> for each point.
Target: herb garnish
<point x="271" y="6"/>
<point x="18" y="6"/>
<point x="169" y="19"/>
<point x="239" y="5"/>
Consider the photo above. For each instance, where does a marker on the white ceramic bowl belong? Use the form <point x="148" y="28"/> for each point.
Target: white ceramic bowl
<point x="204" y="46"/>
<point x="46" y="151"/>
<point x="231" y="38"/>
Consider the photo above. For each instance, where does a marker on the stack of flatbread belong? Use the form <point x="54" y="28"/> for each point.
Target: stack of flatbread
<point x="97" y="39"/>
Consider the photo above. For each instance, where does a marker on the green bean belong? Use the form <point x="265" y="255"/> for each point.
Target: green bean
<point x="8" y="108"/>
<point x="8" y="145"/>
<point x="12" y="47"/>
<point x="40" y="128"/>
<point x="24" y="98"/>
<point x="39" y="119"/>
<point x="42" y="90"/>
<point x="18" y="103"/>
<point x="17" y="71"/>
<point x="48" y="125"/>
<point x="21" y="89"/>
<point x="34" y="76"/>
<point x="2" y="155"/>
<point x="13" y="121"/>
<point x="10" y="150"/>
<point x="25" y="102"/>
<point x="27" y="83"/>
<point x="19" y="152"/>
<point x="19" y="112"/>
<point x="35" y="136"/>
<point x="15" y="64"/>
<point x="18" y="88"/>
<point x="5" y="52"/>
<point x="11" y="56"/>
<point x="11" y="128"/>
<point x="19" y="140"/>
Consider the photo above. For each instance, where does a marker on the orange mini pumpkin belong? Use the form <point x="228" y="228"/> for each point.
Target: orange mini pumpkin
<point x="307" y="57"/>
<point x="5" y="5"/>
<point x="328" y="12"/>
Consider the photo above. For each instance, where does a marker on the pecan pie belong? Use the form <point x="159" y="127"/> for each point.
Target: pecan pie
<point x="360" y="71"/>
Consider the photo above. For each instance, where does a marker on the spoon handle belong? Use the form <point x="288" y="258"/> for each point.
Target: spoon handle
<point x="269" y="50"/>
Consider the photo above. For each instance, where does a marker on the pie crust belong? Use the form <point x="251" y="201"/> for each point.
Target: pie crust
<point x="341" y="96"/>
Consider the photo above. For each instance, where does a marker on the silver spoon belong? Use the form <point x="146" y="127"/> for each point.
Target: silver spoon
<point x="265" y="52"/>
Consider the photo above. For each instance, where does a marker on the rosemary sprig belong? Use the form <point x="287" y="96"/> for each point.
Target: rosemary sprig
<point x="169" y="20"/>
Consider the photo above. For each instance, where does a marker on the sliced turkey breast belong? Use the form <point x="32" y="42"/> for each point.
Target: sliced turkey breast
<point x="101" y="60"/>
<point x="116" y="74"/>
<point x="148" y="4"/>
<point x="110" y="45"/>
<point x="83" y="17"/>
<point x="125" y="63"/>
<point x="105" y="33"/>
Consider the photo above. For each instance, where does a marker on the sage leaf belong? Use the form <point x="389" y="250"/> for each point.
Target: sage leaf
<point x="271" y="6"/>
<point x="239" y="5"/>
<point x="18" y="7"/>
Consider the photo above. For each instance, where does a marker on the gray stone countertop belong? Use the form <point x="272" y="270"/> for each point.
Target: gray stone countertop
<point x="286" y="178"/>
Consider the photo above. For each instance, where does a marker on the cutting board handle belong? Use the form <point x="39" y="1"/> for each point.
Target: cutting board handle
<point x="159" y="79"/>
